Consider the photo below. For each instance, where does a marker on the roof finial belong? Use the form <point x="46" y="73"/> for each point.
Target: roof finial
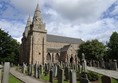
<point x="37" y="7"/>
<point x="28" y="21"/>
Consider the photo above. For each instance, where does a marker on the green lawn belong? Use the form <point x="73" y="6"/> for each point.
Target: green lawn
<point x="12" y="79"/>
<point x="46" y="78"/>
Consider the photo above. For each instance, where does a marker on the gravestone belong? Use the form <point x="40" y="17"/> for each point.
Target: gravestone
<point x="46" y="69"/>
<point x="58" y="67"/>
<point x="72" y="76"/>
<point x="41" y="69"/>
<point x="6" y="72"/>
<point x="115" y="64"/>
<point x="55" y="71"/>
<point x="1" y="67"/>
<point x="51" y="76"/>
<point x="24" y="68"/>
<point x="79" y="68"/>
<point x="38" y="71"/>
<point x="106" y="79"/>
<point x="18" y="67"/>
<point x="66" y="73"/>
<point x="102" y="63"/>
<point x="30" y="70"/>
<point x="61" y="76"/>
<point x="85" y="80"/>
<point x="84" y="67"/>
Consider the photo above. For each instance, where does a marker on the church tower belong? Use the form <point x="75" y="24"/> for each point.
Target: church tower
<point x="33" y="47"/>
<point x="37" y="39"/>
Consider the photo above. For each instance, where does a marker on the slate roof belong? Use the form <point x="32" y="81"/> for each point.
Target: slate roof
<point x="65" y="48"/>
<point x="53" y="50"/>
<point x="62" y="39"/>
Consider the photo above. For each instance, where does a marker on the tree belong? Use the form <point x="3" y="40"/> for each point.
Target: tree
<point x="9" y="48"/>
<point x="93" y="50"/>
<point x="113" y="46"/>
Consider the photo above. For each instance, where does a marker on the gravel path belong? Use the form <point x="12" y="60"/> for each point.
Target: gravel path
<point x="110" y="73"/>
<point x="24" y="78"/>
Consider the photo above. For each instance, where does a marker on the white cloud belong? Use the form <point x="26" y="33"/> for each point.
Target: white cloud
<point x="81" y="10"/>
<point x="115" y="11"/>
<point x="101" y="29"/>
<point x="73" y="18"/>
<point x="14" y="28"/>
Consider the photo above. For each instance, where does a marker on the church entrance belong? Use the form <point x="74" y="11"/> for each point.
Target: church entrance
<point x="71" y="59"/>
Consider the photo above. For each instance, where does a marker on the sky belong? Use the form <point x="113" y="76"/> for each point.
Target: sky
<point x="85" y="19"/>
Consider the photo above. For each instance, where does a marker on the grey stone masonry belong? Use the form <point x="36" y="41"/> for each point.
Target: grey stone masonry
<point x="6" y="72"/>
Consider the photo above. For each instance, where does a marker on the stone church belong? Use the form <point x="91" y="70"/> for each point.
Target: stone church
<point x="39" y="47"/>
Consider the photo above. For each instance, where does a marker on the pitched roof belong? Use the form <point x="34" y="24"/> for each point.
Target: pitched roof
<point x="53" y="50"/>
<point x="65" y="48"/>
<point x="62" y="39"/>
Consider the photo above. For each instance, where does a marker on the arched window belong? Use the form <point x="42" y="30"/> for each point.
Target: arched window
<point x="57" y="57"/>
<point x="48" y="57"/>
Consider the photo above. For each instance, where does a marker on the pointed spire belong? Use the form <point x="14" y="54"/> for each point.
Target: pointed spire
<point x="37" y="19"/>
<point x="28" y="21"/>
<point x="37" y="12"/>
<point x="37" y="8"/>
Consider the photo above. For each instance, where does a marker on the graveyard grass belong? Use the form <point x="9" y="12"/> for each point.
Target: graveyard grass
<point x="12" y="79"/>
<point x="46" y="78"/>
<point x="113" y="80"/>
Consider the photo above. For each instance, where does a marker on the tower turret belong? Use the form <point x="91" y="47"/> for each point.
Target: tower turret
<point x="37" y="19"/>
<point x="27" y="28"/>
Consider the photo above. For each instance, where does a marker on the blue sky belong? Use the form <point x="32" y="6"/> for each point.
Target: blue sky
<point x="85" y="19"/>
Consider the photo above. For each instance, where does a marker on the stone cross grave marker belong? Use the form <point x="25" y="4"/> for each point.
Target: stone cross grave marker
<point x="106" y="79"/>
<point x="6" y="72"/>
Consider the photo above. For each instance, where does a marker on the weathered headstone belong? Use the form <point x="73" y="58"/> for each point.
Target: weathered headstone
<point x="6" y="72"/>
<point x="106" y="79"/>
<point x="1" y="67"/>
<point x="84" y="66"/>
<point x="66" y="73"/>
<point x="115" y="64"/>
<point x="51" y="76"/>
<point x="36" y="70"/>
<point x="29" y="70"/>
<point x="24" y="68"/>
<point x="18" y="67"/>
<point x="85" y="80"/>
<point x="72" y="76"/>
<point x="55" y="71"/>
<point x="61" y="76"/>
<point x="102" y="63"/>
<point x="46" y="69"/>
<point x="41" y="69"/>
<point x="32" y="70"/>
